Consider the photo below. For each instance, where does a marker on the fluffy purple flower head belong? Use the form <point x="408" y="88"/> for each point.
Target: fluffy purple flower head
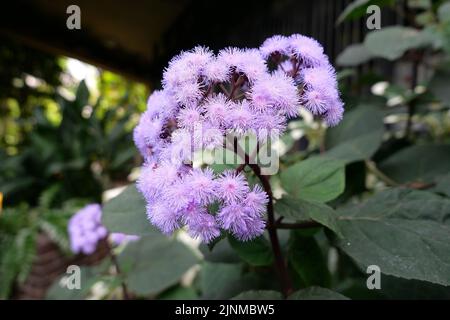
<point x="86" y="230"/>
<point x="204" y="98"/>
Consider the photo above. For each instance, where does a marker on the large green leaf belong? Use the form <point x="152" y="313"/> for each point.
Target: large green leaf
<point x="59" y="291"/>
<point x="155" y="263"/>
<point x="308" y="261"/>
<point x="259" y="295"/>
<point x="404" y="232"/>
<point x="418" y="163"/>
<point x="256" y="252"/>
<point x="443" y="185"/>
<point x="298" y="209"/>
<point x="392" y="42"/>
<point x="221" y="280"/>
<point x="357" y="123"/>
<point x="315" y="179"/>
<point x="316" y="293"/>
<point x="360" y="148"/>
<point x="353" y="55"/>
<point x="126" y="214"/>
<point x="444" y="12"/>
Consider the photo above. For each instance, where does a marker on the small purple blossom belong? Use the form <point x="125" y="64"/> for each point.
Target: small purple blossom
<point x="86" y="230"/>
<point x="231" y="186"/>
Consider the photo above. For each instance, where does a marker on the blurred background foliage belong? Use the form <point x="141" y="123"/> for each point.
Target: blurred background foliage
<point x="65" y="140"/>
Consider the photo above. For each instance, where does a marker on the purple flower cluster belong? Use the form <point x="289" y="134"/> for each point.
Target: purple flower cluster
<point x="86" y="230"/>
<point x="204" y="98"/>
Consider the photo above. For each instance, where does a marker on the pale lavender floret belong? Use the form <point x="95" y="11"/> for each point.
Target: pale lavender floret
<point x="121" y="238"/>
<point x="161" y="104"/>
<point x="189" y="117"/>
<point x="275" y="45"/>
<point x="246" y="61"/>
<point x="240" y="118"/>
<point x="146" y="134"/>
<point x="231" y="186"/>
<point x="216" y="108"/>
<point x="216" y="71"/>
<point x="188" y="93"/>
<point x="308" y="50"/>
<point x="202" y="185"/>
<point x="85" y="229"/>
<point x="208" y="137"/>
<point x="237" y="219"/>
<point x="256" y="201"/>
<point x="334" y="114"/>
<point x="204" y="226"/>
<point x="145" y="183"/>
<point x="275" y="91"/>
<point x="179" y="195"/>
<point x="180" y="150"/>
<point x="269" y="126"/>
<point x="316" y="100"/>
<point x="164" y="217"/>
<point x="319" y="78"/>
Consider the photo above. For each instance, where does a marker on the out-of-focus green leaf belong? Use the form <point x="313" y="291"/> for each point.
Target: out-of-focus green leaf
<point x="308" y="261"/>
<point x="154" y="263"/>
<point x="126" y="214"/>
<point x="316" y="293"/>
<point x="358" y="8"/>
<point x="353" y="55"/>
<point x="258" y="295"/>
<point x="257" y="252"/>
<point x="317" y="179"/>
<point x="392" y="42"/>
<point x="300" y="210"/>
<point x="404" y="232"/>
<point x="417" y="163"/>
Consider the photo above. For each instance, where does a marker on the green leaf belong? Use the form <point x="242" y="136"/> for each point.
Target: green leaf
<point x="404" y="232"/>
<point x="392" y="42"/>
<point x="439" y="85"/>
<point x="256" y="252"/>
<point x="360" y="121"/>
<point x="221" y="280"/>
<point x="59" y="290"/>
<point x="353" y="55"/>
<point x="316" y="293"/>
<point x="298" y="209"/>
<point x="358" y="9"/>
<point x="443" y="185"/>
<point x="417" y="163"/>
<point x="308" y="261"/>
<point x="259" y="295"/>
<point x="126" y="214"/>
<point x="419" y="4"/>
<point x="155" y="263"/>
<point x="444" y="12"/>
<point x="360" y="148"/>
<point x="315" y="179"/>
<point x="82" y="95"/>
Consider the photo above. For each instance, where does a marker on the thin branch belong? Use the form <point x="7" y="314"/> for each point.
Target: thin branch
<point x="280" y="264"/>
<point x="114" y="261"/>
<point x="380" y="175"/>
